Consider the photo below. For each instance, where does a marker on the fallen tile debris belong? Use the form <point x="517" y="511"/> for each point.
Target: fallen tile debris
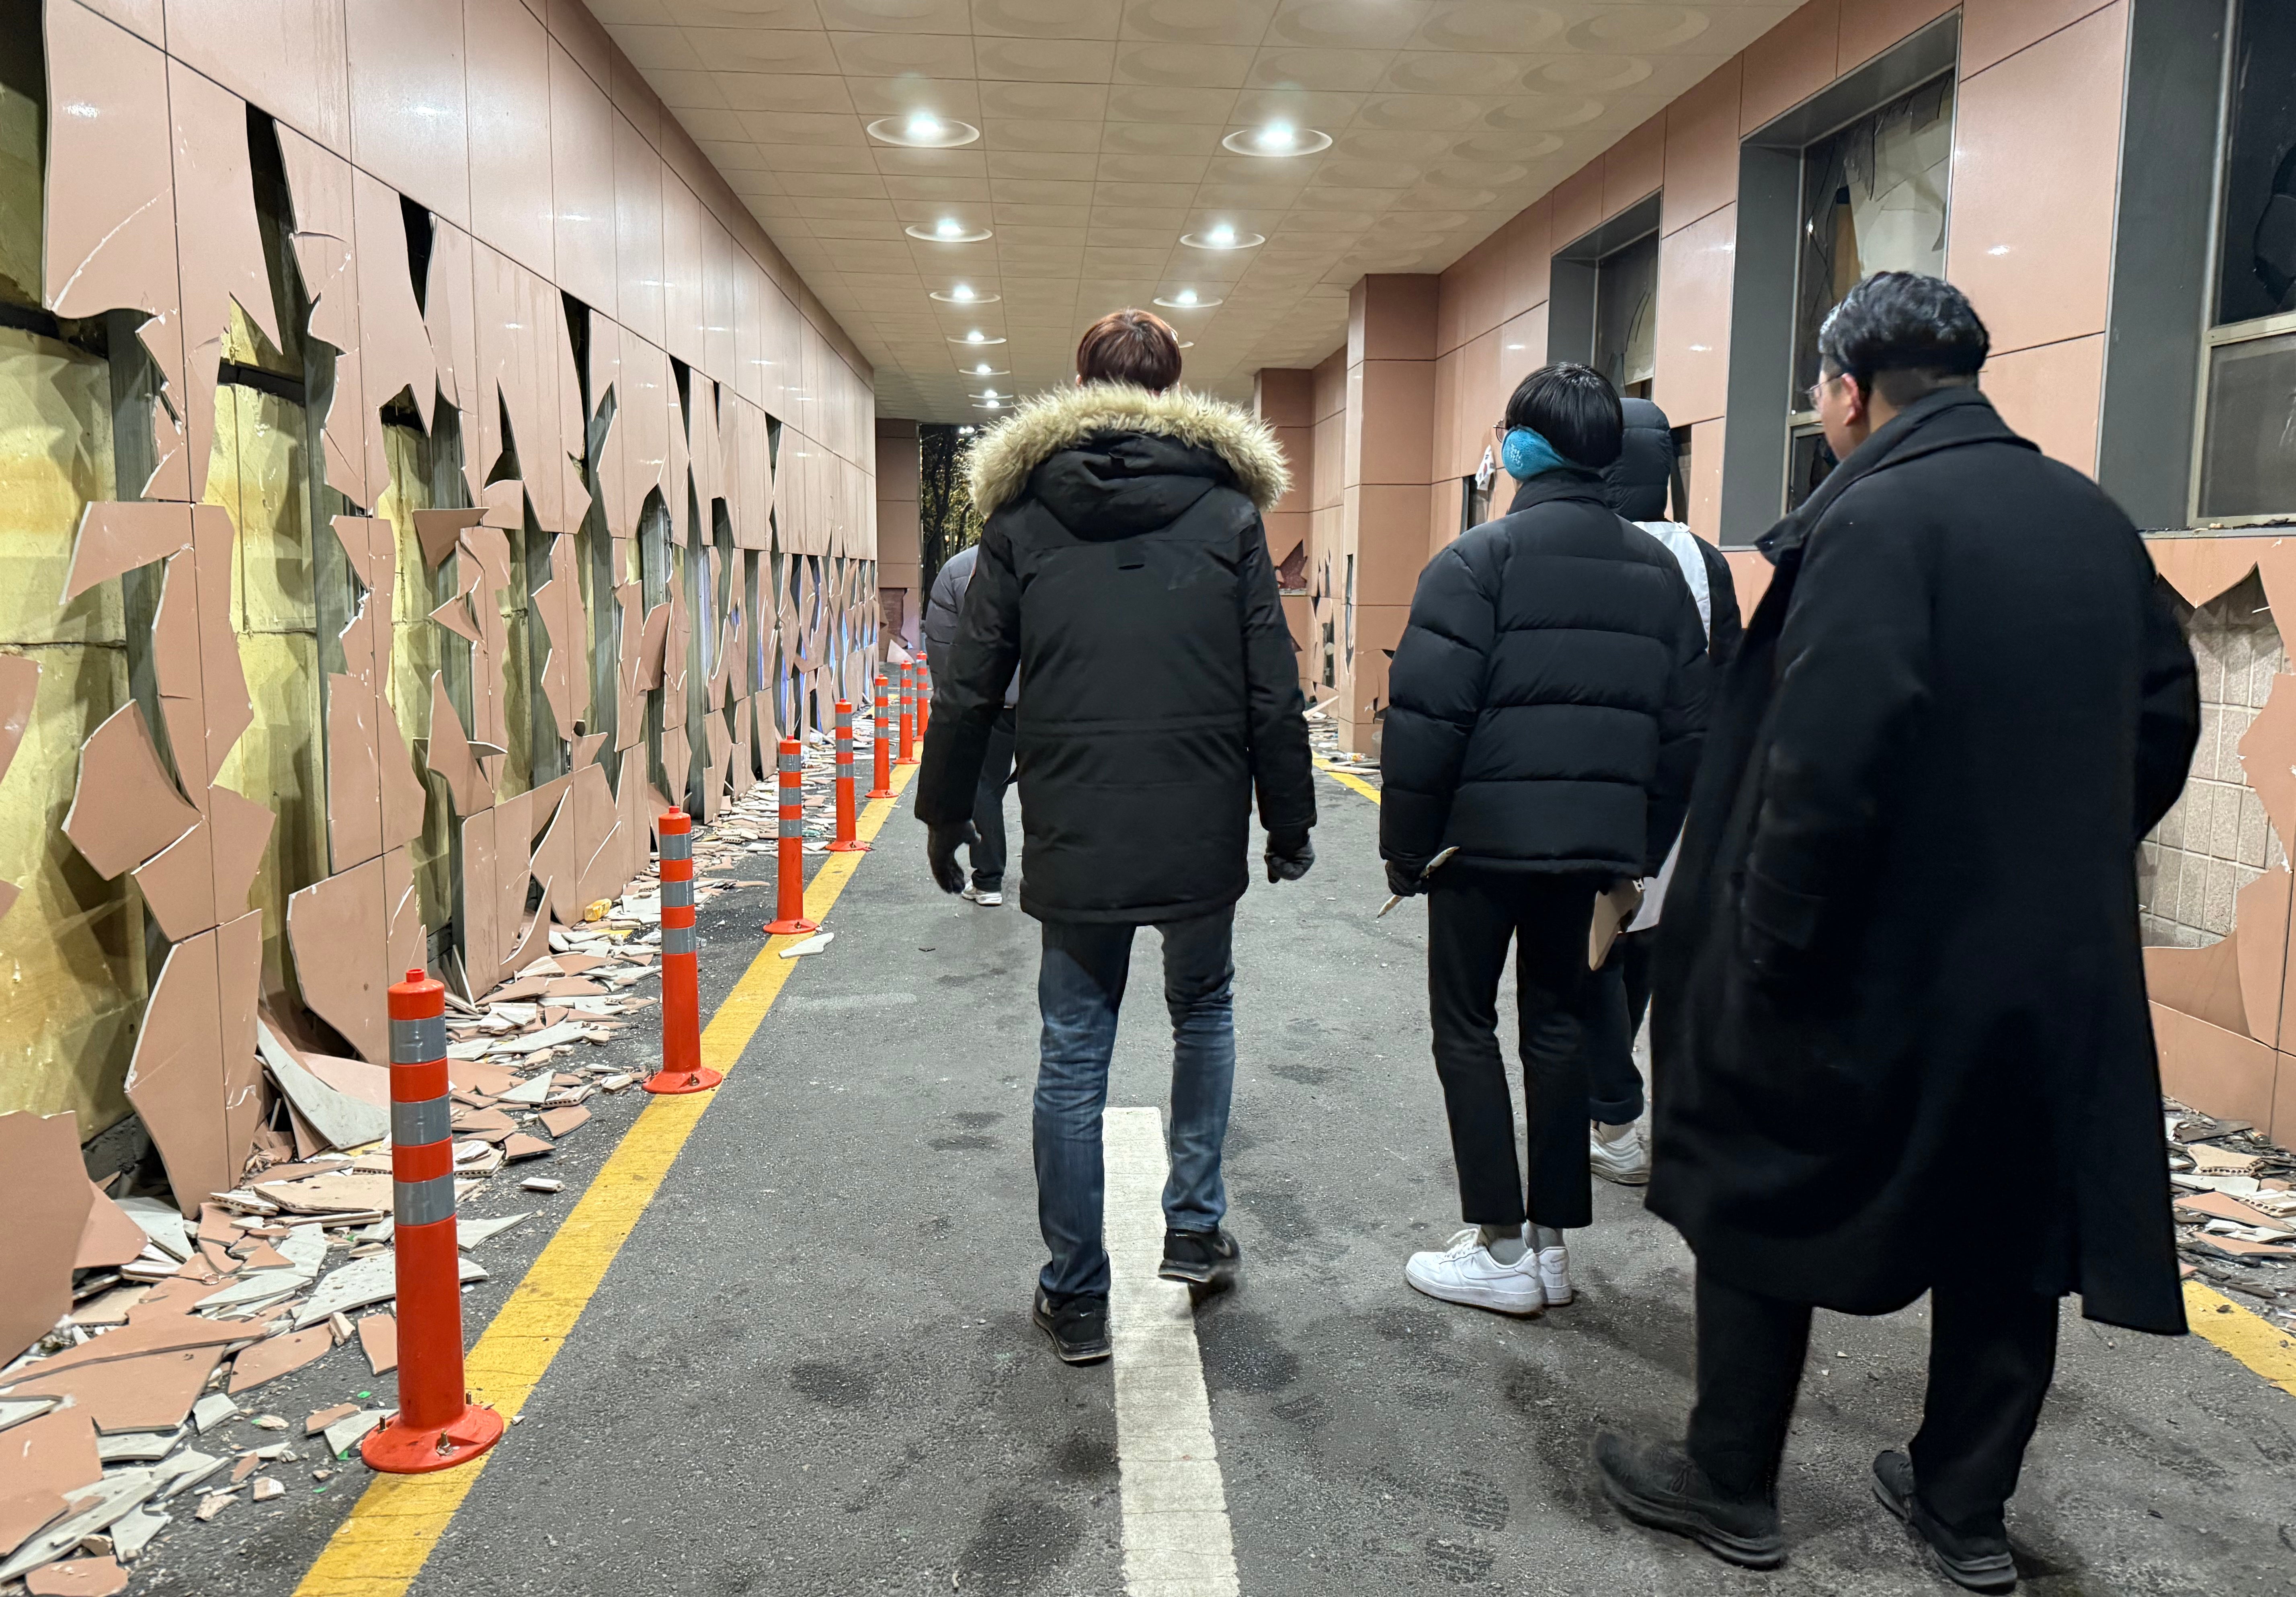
<point x="2234" y="1204"/>
<point x="167" y="1308"/>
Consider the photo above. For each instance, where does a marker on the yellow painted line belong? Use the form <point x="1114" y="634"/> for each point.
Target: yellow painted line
<point x="1345" y="780"/>
<point x="378" y="1549"/>
<point x="2246" y="1335"/>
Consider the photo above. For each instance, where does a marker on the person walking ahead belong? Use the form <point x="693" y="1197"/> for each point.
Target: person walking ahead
<point x="986" y="887"/>
<point x="1124" y="570"/>
<point x="1905" y="918"/>
<point x="1546" y="706"/>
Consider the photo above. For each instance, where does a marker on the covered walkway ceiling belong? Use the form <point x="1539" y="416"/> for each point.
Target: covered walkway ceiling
<point x="1107" y="132"/>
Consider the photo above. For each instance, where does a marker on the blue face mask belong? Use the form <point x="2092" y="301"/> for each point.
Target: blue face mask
<point x="1525" y="454"/>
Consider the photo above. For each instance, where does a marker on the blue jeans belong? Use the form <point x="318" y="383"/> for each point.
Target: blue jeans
<point x="1079" y="988"/>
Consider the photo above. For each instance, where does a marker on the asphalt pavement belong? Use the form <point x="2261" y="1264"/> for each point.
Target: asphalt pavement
<point x="811" y="1371"/>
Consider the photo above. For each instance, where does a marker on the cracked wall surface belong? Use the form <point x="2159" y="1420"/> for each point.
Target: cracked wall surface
<point x="442" y="474"/>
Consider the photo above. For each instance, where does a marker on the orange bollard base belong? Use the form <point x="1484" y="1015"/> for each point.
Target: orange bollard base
<point x="699" y="1078"/>
<point x="854" y="847"/>
<point x="878" y="792"/>
<point x="791" y="928"/>
<point x="398" y="1448"/>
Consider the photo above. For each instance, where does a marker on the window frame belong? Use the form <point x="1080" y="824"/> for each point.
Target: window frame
<point x="2214" y="337"/>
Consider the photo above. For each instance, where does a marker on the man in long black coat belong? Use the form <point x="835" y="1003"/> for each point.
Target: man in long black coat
<point x="1905" y="918"/>
<point x="1124" y="571"/>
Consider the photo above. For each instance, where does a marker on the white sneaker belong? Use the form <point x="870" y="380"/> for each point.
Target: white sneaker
<point x="987" y="901"/>
<point x="1626" y="1161"/>
<point x="1554" y="1275"/>
<point x="1467" y="1273"/>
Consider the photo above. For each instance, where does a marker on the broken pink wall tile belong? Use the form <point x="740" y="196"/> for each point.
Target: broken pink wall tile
<point x="286" y="55"/>
<point x="326" y="256"/>
<point x="117" y="536"/>
<point x="490" y="655"/>
<point x="178" y="885"/>
<point x="141" y="16"/>
<point x="507" y="62"/>
<point x="717" y="256"/>
<point x="407" y="100"/>
<point x="644" y="417"/>
<point x="220" y="254"/>
<point x="446" y="753"/>
<point x="109" y="1238"/>
<point x="558" y="861"/>
<point x="238" y="989"/>
<point x="474" y="918"/>
<point x="125" y="808"/>
<point x="175" y="670"/>
<point x="394" y="349"/>
<point x="338" y="930"/>
<point x="242" y="831"/>
<point x="176" y="1075"/>
<point x="450" y="316"/>
<point x="44" y="1191"/>
<point x="557" y="605"/>
<point x="440" y="531"/>
<point x="110" y="235"/>
<point x="354" y="773"/>
<point x="402" y="931"/>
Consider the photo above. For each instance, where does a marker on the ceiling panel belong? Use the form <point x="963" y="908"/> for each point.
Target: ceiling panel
<point x="1100" y="127"/>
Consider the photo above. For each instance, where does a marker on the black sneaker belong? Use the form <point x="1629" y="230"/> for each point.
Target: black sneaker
<point x="1658" y="1486"/>
<point x="1981" y="1563"/>
<point x="1077" y="1324"/>
<point x="1207" y="1259"/>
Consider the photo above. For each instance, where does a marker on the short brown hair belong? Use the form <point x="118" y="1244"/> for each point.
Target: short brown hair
<point x="1130" y="346"/>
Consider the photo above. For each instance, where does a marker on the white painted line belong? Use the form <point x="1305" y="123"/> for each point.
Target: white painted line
<point x="1175" y="1529"/>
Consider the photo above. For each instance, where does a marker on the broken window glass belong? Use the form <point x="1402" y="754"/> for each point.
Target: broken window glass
<point x="2248" y="460"/>
<point x="1873" y="199"/>
<point x="1626" y="316"/>
<point x="2256" y="254"/>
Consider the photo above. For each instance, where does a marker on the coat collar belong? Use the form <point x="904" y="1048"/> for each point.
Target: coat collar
<point x="1065" y="417"/>
<point x="1946" y="419"/>
<point x="1569" y="483"/>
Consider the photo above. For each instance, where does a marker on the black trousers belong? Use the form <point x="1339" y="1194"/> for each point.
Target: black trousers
<point x="1993" y="1352"/>
<point x="989" y="805"/>
<point x="1618" y="998"/>
<point x="1471" y="921"/>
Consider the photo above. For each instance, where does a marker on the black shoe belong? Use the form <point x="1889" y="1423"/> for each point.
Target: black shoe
<point x="1658" y="1486"/>
<point x="1981" y="1563"/>
<point x="1077" y="1324"/>
<point x="1208" y="1259"/>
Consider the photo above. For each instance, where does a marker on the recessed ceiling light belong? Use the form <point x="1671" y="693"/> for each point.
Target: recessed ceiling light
<point x="1222" y="236"/>
<point x="990" y="405"/>
<point x="1187" y="299"/>
<point x="1276" y="139"/>
<point x="974" y="338"/>
<point x="965" y="293"/>
<point x="985" y="370"/>
<point x="922" y="131"/>
<point x="949" y="230"/>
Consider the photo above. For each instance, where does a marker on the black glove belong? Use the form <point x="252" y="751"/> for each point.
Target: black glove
<point x="1289" y="854"/>
<point x="1407" y="878"/>
<point x="941" y="843"/>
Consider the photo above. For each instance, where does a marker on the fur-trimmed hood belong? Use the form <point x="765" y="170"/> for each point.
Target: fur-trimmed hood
<point x="1042" y="427"/>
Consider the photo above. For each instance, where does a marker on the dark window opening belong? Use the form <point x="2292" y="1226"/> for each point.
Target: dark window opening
<point x="1474" y="503"/>
<point x="2248" y="450"/>
<point x="1874" y="199"/>
<point x="1626" y="318"/>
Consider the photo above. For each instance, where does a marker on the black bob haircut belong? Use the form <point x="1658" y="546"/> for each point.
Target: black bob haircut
<point x="1903" y="335"/>
<point x="1575" y="408"/>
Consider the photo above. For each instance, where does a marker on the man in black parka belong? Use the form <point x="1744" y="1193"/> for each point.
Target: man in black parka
<point x="1905" y="918"/>
<point x="1124" y="570"/>
<point x="1546" y="704"/>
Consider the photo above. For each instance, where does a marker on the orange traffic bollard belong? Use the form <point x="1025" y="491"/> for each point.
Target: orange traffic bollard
<point x="846" y="842"/>
<point x="788" y="870"/>
<point x="881" y="737"/>
<point x="924" y="704"/>
<point x="437" y="1425"/>
<point x="682" y="1070"/>
<point x="908" y="712"/>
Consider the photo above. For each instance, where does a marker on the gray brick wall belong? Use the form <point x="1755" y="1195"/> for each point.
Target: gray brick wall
<point x="2217" y="840"/>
